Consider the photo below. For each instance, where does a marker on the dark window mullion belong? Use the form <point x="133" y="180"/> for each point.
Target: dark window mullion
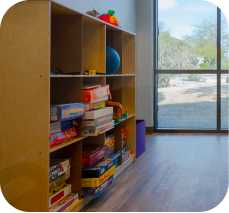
<point x="218" y="69"/>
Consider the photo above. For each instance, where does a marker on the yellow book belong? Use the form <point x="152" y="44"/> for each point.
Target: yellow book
<point x="96" y="182"/>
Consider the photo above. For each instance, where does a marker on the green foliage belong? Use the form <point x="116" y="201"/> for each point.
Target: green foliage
<point x="197" y="51"/>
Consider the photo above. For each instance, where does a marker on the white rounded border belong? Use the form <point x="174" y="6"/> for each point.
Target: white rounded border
<point x="7" y="4"/>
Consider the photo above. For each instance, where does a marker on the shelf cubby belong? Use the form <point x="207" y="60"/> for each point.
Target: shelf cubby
<point x="93" y="46"/>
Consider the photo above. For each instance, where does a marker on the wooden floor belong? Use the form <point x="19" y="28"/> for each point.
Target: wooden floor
<point x="177" y="173"/>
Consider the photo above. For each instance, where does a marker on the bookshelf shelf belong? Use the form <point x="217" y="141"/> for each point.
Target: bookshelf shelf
<point x="65" y="144"/>
<point x="71" y="42"/>
<point x="93" y="76"/>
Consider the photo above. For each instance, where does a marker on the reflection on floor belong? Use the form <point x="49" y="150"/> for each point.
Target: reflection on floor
<point x="177" y="173"/>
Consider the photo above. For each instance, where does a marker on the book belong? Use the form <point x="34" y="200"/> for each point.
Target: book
<point x="97" y="191"/>
<point x="96" y="182"/>
<point x="95" y="93"/>
<point x="94" y="131"/>
<point x="97" y="105"/>
<point x="55" y="198"/>
<point x="59" y="168"/>
<point x="98" y="170"/>
<point x="97" y="122"/>
<point x="64" y="203"/>
<point x="92" y="157"/>
<point x="95" y="114"/>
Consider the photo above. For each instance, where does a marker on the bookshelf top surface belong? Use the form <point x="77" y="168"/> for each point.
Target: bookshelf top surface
<point x="60" y="9"/>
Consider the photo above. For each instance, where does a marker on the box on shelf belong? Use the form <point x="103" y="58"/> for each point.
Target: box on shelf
<point x="95" y="131"/>
<point x="70" y="111"/>
<point x="97" y="122"/>
<point x="96" y="114"/>
<point x="58" y="183"/>
<point x="95" y="94"/>
<point x="92" y="156"/>
<point x="62" y="193"/>
<point x="98" y="170"/>
<point x="98" y="191"/>
<point x="65" y="203"/>
<point x="97" y="182"/>
<point x="97" y="105"/>
<point x="116" y="159"/>
<point x="58" y="168"/>
<point x="61" y="131"/>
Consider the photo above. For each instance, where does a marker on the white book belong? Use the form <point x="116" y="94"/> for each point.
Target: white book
<point x="95" y="114"/>
<point x="98" y="130"/>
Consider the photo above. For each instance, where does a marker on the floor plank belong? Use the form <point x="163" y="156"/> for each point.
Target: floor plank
<point x="177" y="173"/>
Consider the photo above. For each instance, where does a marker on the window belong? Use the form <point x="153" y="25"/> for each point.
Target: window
<point x="191" y="81"/>
<point x="187" y="34"/>
<point x="225" y="43"/>
<point x="224" y="101"/>
<point x="187" y="101"/>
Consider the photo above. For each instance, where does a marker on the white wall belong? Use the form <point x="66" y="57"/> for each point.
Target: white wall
<point x="125" y="9"/>
<point x="144" y="59"/>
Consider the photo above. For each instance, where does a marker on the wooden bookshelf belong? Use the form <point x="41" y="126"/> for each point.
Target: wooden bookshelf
<point x="36" y="38"/>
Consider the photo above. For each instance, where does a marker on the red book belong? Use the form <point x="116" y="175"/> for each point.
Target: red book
<point x="95" y="94"/>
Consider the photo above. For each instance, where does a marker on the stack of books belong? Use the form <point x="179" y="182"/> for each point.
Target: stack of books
<point x="97" y="118"/>
<point x="64" y="122"/>
<point x="97" y="178"/>
<point x="60" y="193"/>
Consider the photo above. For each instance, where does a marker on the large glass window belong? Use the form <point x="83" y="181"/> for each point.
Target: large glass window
<point x="192" y="85"/>
<point x="187" y="34"/>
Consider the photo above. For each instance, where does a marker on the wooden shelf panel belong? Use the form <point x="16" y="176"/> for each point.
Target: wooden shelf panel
<point x="92" y="76"/>
<point x="65" y="144"/>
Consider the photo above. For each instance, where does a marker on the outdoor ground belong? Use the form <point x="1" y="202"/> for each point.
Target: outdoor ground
<point x="190" y="103"/>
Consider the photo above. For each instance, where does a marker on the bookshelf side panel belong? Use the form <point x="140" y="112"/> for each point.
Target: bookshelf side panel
<point x="24" y="108"/>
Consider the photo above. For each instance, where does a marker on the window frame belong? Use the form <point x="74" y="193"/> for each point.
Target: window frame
<point x="218" y="72"/>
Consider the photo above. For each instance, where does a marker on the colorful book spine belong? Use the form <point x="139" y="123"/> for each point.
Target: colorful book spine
<point x="95" y="114"/>
<point x="55" y="198"/>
